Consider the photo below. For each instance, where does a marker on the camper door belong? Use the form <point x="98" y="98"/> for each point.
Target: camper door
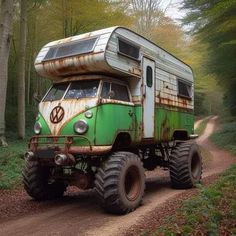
<point x="148" y="97"/>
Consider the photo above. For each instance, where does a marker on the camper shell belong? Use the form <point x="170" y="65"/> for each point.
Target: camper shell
<point x="118" y="104"/>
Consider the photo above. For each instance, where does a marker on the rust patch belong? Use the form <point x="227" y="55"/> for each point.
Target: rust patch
<point x="165" y="129"/>
<point x="74" y="64"/>
<point x="94" y="150"/>
<point x="174" y="101"/>
<point x="64" y="143"/>
<point x="135" y="70"/>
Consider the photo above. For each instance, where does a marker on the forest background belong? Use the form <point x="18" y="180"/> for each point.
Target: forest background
<point x="207" y="43"/>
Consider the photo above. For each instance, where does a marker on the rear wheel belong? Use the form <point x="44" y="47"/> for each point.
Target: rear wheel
<point x="120" y="183"/>
<point x="37" y="182"/>
<point x="185" y="165"/>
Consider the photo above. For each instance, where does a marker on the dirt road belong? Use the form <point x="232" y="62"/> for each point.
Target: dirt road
<point x="78" y="212"/>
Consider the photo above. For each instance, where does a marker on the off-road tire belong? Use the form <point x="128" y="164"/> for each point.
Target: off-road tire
<point x="120" y="183"/>
<point x="185" y="165"/>
<point x="36" y="182"/>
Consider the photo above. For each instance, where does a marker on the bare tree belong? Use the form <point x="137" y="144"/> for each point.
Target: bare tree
<point x="6" y="16"/>
<point x="21" y="69"/>
<point x="148" y="14"/>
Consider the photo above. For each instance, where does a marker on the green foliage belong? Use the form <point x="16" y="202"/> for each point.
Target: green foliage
<point x="214" y="24"/>
<point x="11" y="163"/>
<point x="225" y="137"/>
<point x="208" y="210"/>
<point x="199" y="100"/>
<point x="31" y="112"/>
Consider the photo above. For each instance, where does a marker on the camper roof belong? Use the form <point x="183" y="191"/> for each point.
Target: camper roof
<point x="115" y="51"/>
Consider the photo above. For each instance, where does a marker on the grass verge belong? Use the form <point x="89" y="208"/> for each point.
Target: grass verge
<point x="212" y="212"/>
<point x="225" y="137"/>
<point x="11" y="163"/>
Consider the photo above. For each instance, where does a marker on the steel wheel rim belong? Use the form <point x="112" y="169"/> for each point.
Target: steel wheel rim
<point x="132" y="184"/>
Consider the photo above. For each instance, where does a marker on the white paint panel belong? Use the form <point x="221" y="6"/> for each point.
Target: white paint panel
<point x="149" y="100"/>
<point x="72" y="107"/>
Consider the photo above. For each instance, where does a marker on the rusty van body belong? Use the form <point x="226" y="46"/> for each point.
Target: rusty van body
<point x="118" y="104"/>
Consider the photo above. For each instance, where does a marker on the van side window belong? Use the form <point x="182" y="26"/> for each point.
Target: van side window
<point x="128" y="49"/>
<point x="105" y="90"/>
<point x="149" y="76"/>
<point x="184" y="89"/>
<point x="120" y="92"/>
<point x="56" y="92"/>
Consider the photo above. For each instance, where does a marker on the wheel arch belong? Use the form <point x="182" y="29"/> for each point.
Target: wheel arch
<point x="123" y="139"/>
<point x="180" y="135"/>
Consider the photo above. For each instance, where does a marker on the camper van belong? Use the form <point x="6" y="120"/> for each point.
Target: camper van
<point x="118" y="105"/>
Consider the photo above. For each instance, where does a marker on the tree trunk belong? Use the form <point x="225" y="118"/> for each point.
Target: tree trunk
<point x="5" y="41"/>
<point x="29" y="79"/>
<point x="21" y="70"/>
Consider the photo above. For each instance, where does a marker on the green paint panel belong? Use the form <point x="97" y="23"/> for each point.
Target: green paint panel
<point x="112" y="119"/>
<point x="88" y="137"/>
<point x="167" y="121"/>
<point x="138" y="124"/>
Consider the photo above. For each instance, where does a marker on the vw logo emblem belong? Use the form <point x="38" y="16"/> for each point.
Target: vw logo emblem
<point x="57" y="114"/>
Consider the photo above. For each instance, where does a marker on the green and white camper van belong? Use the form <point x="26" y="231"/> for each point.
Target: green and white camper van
<point x="118" y="104"/>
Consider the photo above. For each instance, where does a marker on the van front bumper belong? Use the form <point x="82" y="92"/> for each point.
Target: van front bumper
<point x="49" y="145"/>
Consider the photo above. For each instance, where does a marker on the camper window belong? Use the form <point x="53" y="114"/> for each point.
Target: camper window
<point x="56" y="92"/>
<point x="184" y="89"/>
<point x="70" y="49"/>
<point x="128" y="49"/>
<point x="82" y="89"/>
<point x="149" y="76"/>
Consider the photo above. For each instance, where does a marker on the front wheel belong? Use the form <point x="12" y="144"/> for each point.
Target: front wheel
<point x="185" y="165"/>
<point x="37" y="182"/>
<point x="120" y="183"/>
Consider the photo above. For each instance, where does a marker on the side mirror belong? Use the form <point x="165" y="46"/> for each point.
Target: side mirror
<point x="36" y="97"/>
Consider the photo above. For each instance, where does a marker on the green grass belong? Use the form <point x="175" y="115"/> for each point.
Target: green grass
<point x="213" y="209"/>
<point x="11" y="163"/>
<point x="225" y="137"/>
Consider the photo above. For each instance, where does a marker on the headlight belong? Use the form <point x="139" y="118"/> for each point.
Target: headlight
<point x="37" y="128"/>
<point x="88" y="114"/>
<point x="81" y="127"/>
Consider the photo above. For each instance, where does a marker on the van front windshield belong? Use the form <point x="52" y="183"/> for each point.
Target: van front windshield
<point x="82" y="89"/>
<point x="77" y="89"/>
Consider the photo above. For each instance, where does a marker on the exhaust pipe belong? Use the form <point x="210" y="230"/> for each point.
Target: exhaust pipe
<point x="62" y="159"/>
